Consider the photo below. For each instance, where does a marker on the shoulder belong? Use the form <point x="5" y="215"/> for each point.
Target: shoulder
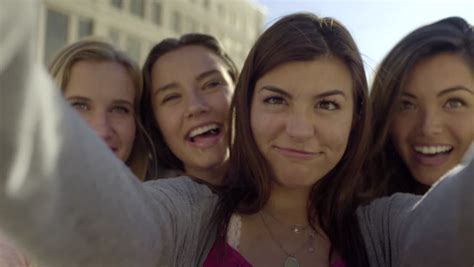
<point x="181" y="191"/>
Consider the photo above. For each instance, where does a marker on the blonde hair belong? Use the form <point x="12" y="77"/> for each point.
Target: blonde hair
<point x="93" y="49"/>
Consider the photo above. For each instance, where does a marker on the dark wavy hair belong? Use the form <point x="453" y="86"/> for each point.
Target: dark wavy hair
<point x="164" y="157"/>
<point x="334" y="198"/>
<point x="453" y="35"/>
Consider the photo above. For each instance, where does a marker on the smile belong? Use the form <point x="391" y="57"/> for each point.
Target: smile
<point x="205" y="136"/>
<point x="434" y="155"/>
<point x="433" y="150"/>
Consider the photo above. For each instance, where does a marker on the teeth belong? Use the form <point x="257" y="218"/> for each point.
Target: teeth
<point x="203" y="129"/>
<point x="432" y="149"/>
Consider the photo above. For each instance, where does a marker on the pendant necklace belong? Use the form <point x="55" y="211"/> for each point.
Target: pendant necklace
<point x="291" y="260"/>
<point x="295" y="228"/>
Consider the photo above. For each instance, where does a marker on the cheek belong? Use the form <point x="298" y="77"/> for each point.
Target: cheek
<point x="220" y="102"/>
<point x="462" y="127"/>
<point x="167" y="120"/>
<point x="127" y="129"/>
<point x="399" y="130"/>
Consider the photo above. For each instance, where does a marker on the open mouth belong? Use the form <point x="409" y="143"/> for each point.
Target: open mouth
<point x="432" y="151"/>
<point x="210" y="130"/>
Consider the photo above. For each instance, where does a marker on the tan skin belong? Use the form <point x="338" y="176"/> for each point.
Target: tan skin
<point x="301" y="123"/>
<point x="434" y="125"/>
<point x="191" y="92"/>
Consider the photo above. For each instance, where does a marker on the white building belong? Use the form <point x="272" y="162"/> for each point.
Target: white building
<point x="136" y="25"/>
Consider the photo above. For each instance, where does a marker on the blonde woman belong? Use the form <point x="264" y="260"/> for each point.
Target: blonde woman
<point x="105" y="87"/>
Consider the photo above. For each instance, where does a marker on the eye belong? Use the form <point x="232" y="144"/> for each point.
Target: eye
<point x="80" y="106"/>
<point x="170" y="97"/>
<point x="214" y="83"/>
<point x="120" y="110"/>
<point x="406" y="105"/>
<point x="453" y="103"/>
<point x="327" y="105"/>
<point x="274" y="100"/>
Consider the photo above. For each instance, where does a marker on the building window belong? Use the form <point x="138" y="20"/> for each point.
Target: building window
<point x="157" y="13"/>
<point x="114" y="37"/>
<point x="177" y="23"/>
<point x="137" y="8"/>
<point x="133" y="48"/>
<point x="56" y="33"/>
<point x="117" y="3"/>
<point x="85" y="28"/>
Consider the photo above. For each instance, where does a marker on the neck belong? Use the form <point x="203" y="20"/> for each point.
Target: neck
<point x="211" y="175"/>
<point x="289" y="205"/>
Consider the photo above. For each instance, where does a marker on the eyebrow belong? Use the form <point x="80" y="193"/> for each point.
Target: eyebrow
<point x="78" y="98"/>
<point x="173" y="85"/>
<point x="115" y="101"/>
<point x="444" y="92"/>
<point x="455" y="88"/>
<point x="123" y="102"/>
<point x="278" y="90"/>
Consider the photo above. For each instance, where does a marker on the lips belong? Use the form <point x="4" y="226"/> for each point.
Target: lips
<point x="295" y="153"/>
<point x="205" y="135"/>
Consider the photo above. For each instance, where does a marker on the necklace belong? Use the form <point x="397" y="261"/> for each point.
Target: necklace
<point x="291" y="260"/>
<point x="295" y="228"/>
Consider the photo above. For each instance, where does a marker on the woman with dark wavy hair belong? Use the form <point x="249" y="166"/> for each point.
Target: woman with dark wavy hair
<point x="423" y="101"/>
<point x="292" y="197"/>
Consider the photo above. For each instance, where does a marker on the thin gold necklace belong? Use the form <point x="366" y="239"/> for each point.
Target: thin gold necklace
<point x="295" y="228"/>
<point x="291" y="260"/>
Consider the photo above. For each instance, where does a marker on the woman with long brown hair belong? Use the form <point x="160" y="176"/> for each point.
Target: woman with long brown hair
<point x="188" y="85"/>
<point x="303" y="116"/>
<point x="423" y="101"/>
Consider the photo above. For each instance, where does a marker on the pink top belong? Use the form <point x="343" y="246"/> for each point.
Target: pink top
<point x="232" y="258"/>
<point x="10" y="256"/>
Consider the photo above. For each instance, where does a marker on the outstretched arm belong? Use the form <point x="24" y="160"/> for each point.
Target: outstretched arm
<point x="64" y="197"/>
<point x="434" y="230"/>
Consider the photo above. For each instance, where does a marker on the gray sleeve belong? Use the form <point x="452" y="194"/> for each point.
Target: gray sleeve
<point x="65" y="199"/>
<point x="434" y="230"/>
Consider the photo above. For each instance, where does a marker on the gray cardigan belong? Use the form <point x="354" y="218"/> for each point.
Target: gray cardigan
<point x="67" y="201"/>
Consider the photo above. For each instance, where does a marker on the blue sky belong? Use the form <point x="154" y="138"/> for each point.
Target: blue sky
<point x="375" y="25"/>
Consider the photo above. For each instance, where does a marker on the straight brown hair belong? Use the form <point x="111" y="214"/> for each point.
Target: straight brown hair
<point x="334" y="198"/>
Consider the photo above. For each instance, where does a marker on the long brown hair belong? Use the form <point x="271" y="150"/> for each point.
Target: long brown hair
<point x="94" y="49"/>
<point x="451" y="34"/>
<point x="165" y="158"/>
<point x="333" y="199"/>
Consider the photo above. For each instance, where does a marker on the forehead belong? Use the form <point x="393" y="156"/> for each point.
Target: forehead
<point x="100" y="78"/>
<point x="312" y="76"/>
<point x="433" y="74"/>
<point x="185" y="63"/>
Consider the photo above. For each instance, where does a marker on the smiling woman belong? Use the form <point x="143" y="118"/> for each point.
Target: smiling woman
<point x="423" y="98"/>
<point x="296" y="120"/>
<point x="190" y="82"/>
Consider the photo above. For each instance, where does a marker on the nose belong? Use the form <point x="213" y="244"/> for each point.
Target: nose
<point x="299" y="127"/>
<point x="197" y="105"/>
<point x="430" y="123"/>
<point x="100" y="123"/>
